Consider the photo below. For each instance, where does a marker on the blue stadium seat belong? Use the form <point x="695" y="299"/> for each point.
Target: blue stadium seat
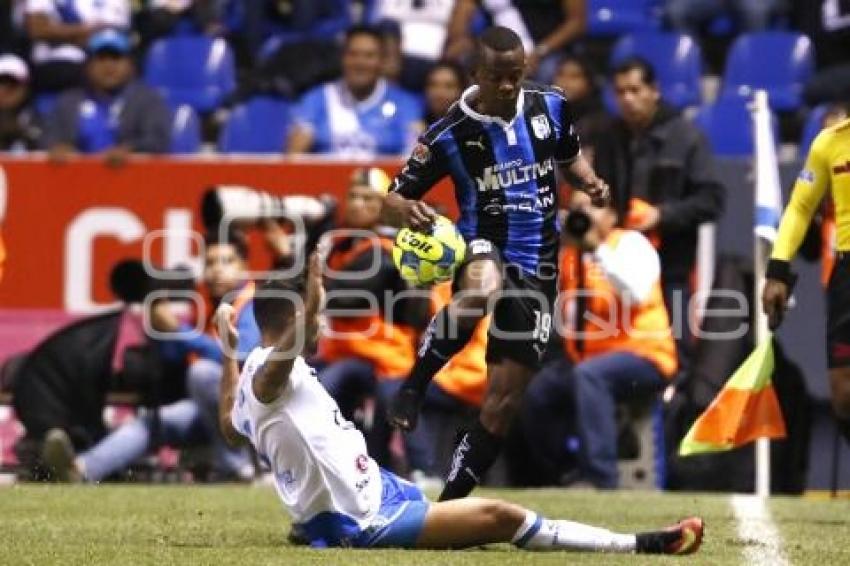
<point x="812" y="128"/>
<point x="776" y="61"/>
<point x="676" y="58"/>
<point x="259" y="125"/>
<point x="615" y="17"/>
<point x="185" y="131"/>
<point x="191" y="69"/>
<point x="729" y="127"/>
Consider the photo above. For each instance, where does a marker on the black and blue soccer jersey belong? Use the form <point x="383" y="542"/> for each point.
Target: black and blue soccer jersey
<point x="504" y="173"/>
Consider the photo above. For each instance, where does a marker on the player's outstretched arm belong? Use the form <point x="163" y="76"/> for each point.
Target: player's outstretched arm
<point x="224" y="316"/>
<point x="584" y="177"/>
<point x="271" y="380"/>
<point x="472" y="521"/>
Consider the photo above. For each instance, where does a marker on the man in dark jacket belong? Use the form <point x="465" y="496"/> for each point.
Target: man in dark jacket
<point x="114" y="115"/>
<point x="657" y="162"/>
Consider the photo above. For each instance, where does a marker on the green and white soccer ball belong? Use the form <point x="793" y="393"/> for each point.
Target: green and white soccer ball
<point x="423" y="259"/>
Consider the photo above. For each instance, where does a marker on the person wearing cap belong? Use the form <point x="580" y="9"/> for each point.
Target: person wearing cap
<point x="20" y="127"/>
<point x="60" y="30"/>
<point x="114" y="114"/>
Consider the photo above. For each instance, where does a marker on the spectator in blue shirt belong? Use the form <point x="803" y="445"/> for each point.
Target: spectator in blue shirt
<point x="114" y="115"/>
<point x="362" y="115"/>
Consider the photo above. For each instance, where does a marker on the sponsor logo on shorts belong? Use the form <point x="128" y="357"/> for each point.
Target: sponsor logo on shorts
<point x="480" y="247"/>
<point x="362" y="463"/>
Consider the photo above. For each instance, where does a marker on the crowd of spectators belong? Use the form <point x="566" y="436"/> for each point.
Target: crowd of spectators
<point x="348" y="69"/>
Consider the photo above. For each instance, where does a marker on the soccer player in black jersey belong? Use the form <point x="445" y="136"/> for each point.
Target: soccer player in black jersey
<point x="501" y="144"/>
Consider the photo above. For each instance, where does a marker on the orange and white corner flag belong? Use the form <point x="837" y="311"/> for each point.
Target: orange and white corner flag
<point x="745" y="409"/>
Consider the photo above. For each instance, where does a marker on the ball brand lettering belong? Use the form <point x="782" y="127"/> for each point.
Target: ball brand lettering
<point x="415" y="242"/>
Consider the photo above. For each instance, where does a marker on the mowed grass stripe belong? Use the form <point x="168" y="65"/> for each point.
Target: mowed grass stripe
<point x="814" y="533"/>
<point x="120" y="524"/>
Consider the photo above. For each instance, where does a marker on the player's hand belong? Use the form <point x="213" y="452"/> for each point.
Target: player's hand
<point x="420" y="216"/>
<point x="774" y="301"/>
<point x="598" y="190"/>
<point x="227" y="332"/>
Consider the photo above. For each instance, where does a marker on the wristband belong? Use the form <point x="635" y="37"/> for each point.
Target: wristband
<point x="780" y="270"/>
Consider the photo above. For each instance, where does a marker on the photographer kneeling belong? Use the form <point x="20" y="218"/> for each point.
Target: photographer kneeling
<point x="191" y="421"/>
<point x="617" y="337"/>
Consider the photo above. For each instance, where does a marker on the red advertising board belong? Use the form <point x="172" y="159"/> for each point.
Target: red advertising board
<point x="66" y="224"/>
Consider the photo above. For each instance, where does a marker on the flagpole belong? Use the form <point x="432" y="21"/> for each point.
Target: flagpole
<point x="761" y="253"/>
<point x="761" y="332"/>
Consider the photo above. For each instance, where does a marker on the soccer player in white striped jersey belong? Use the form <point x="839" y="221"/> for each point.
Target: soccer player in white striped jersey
<point x="336" y="494"/>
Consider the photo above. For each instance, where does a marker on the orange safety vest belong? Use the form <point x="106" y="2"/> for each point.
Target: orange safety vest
<point x="638" y="209"/>
<point x="643" y="330"/>
<point x="465" y="375"/>
<point x="389" y="347"/>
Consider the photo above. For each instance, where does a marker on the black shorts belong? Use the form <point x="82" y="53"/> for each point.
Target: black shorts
<point x="522" y="311"/>
<point x="838" y="313"/>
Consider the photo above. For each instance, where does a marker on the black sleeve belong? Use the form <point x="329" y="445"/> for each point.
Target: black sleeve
<point x="704" y="195"/>
<point x="424" y="169"/>
<point x="569" y="144"/>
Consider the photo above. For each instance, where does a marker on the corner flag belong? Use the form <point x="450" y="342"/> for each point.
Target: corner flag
<point x="744" y="410"/>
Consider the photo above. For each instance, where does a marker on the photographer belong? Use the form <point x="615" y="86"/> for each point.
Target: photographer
<point x="192" y="420"/>
<point x="617" y="336"/>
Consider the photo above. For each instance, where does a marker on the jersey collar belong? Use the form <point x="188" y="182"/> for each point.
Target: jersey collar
<point x="472" y="91"/>
<point x="377" y="95"/>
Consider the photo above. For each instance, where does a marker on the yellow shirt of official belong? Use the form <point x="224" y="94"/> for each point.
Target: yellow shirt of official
<point x="827" y="168"/>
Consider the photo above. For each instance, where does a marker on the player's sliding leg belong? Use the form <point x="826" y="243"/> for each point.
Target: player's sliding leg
<point x="448" y="333"/>
<point x="839" y="379"/>
<point x="473" y="521"/>
<point x="478" y="449"/>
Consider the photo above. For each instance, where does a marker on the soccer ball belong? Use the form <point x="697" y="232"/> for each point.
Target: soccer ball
<point x="423" y="259"/>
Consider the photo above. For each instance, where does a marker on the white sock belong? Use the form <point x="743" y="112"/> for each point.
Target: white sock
<point x="538" y="533"/>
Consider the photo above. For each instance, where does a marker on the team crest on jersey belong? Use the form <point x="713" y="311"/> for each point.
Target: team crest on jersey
<point x="540" y="125"/>
<point x="362" y="463"/>
<point x="421" y="154"/>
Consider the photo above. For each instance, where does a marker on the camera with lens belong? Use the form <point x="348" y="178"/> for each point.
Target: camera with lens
<point x="130" y="282"/>
<point x="577" y="223"/>
<point x="239" y="202"/>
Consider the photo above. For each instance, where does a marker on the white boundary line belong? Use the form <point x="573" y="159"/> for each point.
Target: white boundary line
<point x="756" y="529"/>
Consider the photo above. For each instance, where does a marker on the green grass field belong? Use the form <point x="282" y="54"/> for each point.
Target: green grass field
<point x="117" y="524"/>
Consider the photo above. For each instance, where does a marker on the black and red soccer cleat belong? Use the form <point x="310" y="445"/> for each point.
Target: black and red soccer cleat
<point x="685" y="537"/>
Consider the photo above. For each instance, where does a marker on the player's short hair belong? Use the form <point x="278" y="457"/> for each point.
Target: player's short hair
<point x="370" y="31"/>
<point x="629" y="64"/>
<point x="274" y="303"/>
<point x="496" y="38"/>
<point x="215" y="238"/>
